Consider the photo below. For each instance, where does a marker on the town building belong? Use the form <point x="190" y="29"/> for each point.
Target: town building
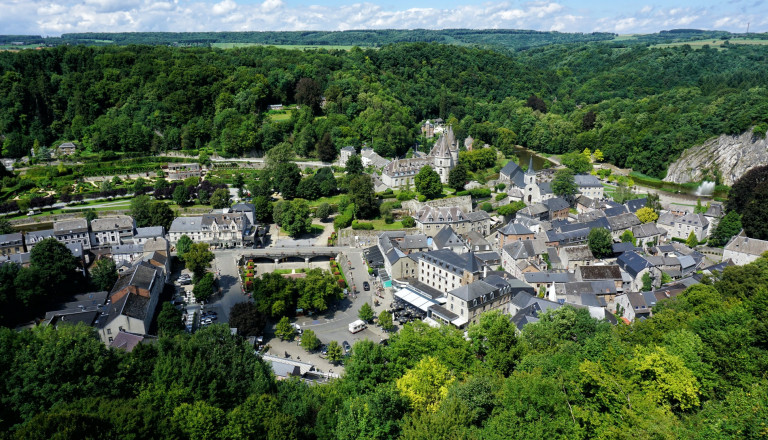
<point x="443" y="157"/>
<point x="345" y="154"/>
<point x="589" y="185"/>
<point x="430" y="220"/>
<point x="73" y="231"/>
<point x="744" y="250"/>
<point x="181" y="171"/>
<point x="12" y="243"/>
<point x="110" y="231"/>
<point x="445" y="270"/>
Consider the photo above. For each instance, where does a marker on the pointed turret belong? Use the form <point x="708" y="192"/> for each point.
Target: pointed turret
<point x="530" y="167"/>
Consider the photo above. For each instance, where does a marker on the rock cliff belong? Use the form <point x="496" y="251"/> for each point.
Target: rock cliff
<point x="731" y="156"/>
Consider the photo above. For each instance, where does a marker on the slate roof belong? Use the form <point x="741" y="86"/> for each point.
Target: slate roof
<point x="122" y="249"/>
<point x="611" y="272"/>
<point x="111" y="223"/>
<point x="429" y="214"/>
<point x="634" y="205"/>
<point x="545" y="188"/>
<point x="524" y="249"/>
<point x="513" y="228"/>
<point x="418" y="241"/>
<point x="36" y="236"/>
<point x="156" y="244"/>
<point x="443" y="312"/>
<point x="515" y="174"/>
<point x="694" y="220"/>
<point x="450" y="260"/>
<point x="578" y="253"/>
<point x="623" y="247"/>
<point x="485" y="257"/>
<point x="12" y="239"/>
<point x="615" y="210"/>
<point x="187" y="224"/>
<point x="476" y="216"/>
<point x="556" y="204"/>
<point x="546" y="277"/>
<point x="623" y="221"/>
<point x="750" y="246"/>
<point x="446" y="237"/>
<point x="647" y="230"/>
<point x="633" y="263"/>
<point x="469" y="292"/>
<point x="587" y="181"/>
<point x="126" y="341"/>
<point x="73" y="226"/>
<point x="149" y="232"/>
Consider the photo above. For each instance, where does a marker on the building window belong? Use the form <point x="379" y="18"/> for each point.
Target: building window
<point x="109" y="331"/>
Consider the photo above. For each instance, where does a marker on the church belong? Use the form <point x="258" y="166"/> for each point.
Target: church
<point x="443" y="157"/>
<point x="523" y="185"/>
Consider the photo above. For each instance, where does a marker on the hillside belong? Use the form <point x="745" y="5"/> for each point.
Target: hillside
<point x="725" y="159"/>
<point x="641" y="106"/>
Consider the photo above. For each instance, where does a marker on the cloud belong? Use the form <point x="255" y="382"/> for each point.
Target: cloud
<point x="53" y="17"/>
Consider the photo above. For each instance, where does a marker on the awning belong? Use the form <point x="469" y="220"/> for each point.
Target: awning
<point x="414" y="299"/>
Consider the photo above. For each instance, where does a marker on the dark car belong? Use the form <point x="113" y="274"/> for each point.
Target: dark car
<point x="324" y="349"/>
<point x="366" y="286"/>
<point x="346" y="346"/>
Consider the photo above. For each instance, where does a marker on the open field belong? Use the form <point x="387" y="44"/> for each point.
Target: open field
<point x="281" y="46"/>
<point x="698" y="44"/>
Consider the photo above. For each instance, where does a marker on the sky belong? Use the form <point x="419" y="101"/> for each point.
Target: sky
<point x="42" y="17"/>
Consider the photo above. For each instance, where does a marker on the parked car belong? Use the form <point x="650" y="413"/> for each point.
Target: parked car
<point x="346" y="346"/>
<point x="324" y="349"/>
<point x="366" y="286"/>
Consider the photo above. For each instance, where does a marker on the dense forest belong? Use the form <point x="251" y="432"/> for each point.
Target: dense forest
<point x="641" y="106"/>
<point x="696" y="369"/>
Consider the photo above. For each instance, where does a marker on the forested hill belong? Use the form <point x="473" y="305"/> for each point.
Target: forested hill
<point x="641" y="106"/>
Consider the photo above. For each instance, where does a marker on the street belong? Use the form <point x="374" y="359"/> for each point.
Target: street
<point x="332" y="325"/>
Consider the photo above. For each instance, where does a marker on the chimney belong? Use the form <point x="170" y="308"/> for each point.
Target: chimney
<point x="485" y="271"/>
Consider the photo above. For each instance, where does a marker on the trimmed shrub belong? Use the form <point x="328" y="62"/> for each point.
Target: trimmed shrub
<point x="362" y="226"/>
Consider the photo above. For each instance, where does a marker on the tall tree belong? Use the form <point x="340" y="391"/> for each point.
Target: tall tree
<point x="365" y="313"/>
<point x="220" y="199"/>
<point x="246" y="318"/>
<point x="104" y="274"/>
<point x="183" y="245"/>
<point x="457" y="177"/>
<point x="362" y="195"/>
<point x="564" y="184"/>
<point x="55" y="265"/>
<point x="727" y="227"/>
<point x="204" y="287"/>
<point x="326" y="151"/>
<point x="427" y="182"/>
<point x="169" y="320"/>
<point x="198" y="258"/>
<point x="309" y="92"/>
<point x="600" y="243"/>
<point x="354" y="165"/>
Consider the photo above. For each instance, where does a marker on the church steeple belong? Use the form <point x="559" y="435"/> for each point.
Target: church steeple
<point x="530" y="167"/>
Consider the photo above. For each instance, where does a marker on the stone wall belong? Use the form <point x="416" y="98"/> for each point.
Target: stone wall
<point x="731" y="155"/>
<point x="463" y="202"/>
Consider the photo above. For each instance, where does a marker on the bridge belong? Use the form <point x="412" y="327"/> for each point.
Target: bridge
<point x="306" y="252"/>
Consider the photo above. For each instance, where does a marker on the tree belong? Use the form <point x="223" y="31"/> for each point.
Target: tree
<point x="622" y="193"/>
<point x="139" y="186"/>
<point x="286" y="179"/>
<point x="647" y="282"/>
<point x="646" y="215"/>
<point x="692" y="242"/>
<point x="754" y="218"/>
<point x="653" y="202"/>
<point x="180" y="195"/>
<point x="511" y="209"/>
<point x="628" y="237"/>
<point x="457" y="177"/>
<point x="309" y="340"/>
<point x="91" y="215"/>
<point x="183" y="246"/>
<point x="220" y="199"/>
<point x="54" y="266"/>
<point x="104" y="274"/>
<point x="600" y="243"/>
<point x="199" y="420"/>
<point x="334" y="353"/>
<point x="354" y="165"/>
<point x="494" y="341"/>
<point x="598" y="155"/>
<point x="426" y="384"/>
<point x="752" y="184"/>
<point x="365" y="313"/>
<point x="5" y="227"/>
<point x="284" y="330"/>
<point x="326" y="151"/>
<point x="564" y="184"/>
<point x="408" y="222"/>
<point x="427" y="182"/>
<point x="361" y="194"/>
<point x="588" y="121"/>
<point x="263" y="209"/>
<point x="536" y="103"/>
<point x="198" y="258"/>
<point x="323" y="211"/>
<point x="169" y="320"/>
<point x="576" y="162"/>
<point x="308" y="93"/>
<point x="204" y="287"/>
<point x="160" y="214"/>
<point x="246" y="318"/>
<point x="385" y="320"/>
<point x="666" y="378"/>
<point x="727" y="227"/>
<point x="295" y="217"/>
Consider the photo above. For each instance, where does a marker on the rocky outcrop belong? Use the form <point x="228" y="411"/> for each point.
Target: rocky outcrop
<point x="731" y="156"/>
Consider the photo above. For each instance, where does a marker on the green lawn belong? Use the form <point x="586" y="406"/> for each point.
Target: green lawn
<point x="315" y="229"/>
<point x="282" y="115"/>
<point x="381" y="225"/>
<point x="333" y="200"/>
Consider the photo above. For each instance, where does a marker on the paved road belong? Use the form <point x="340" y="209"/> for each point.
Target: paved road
<point x="332" y="325"/>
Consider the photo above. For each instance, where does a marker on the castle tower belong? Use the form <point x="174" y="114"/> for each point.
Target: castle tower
<point x="441" y="155"/>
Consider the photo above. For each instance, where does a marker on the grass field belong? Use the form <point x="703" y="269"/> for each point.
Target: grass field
<point x="281" y="46"/>
<point x="280" y="116"/>
<point x="698" y="44"/>
<point x="381" y="225"/>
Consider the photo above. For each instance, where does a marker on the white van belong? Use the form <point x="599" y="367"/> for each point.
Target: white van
<point x="357" y="326"/>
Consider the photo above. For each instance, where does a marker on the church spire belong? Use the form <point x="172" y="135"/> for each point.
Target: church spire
<point x="530" y="166"/>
